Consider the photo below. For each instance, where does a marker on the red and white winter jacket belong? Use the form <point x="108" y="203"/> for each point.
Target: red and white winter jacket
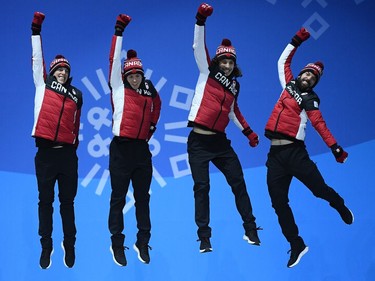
<point x="135" y="112"/>
<point x="292" y="110"/>
<point x="57" y="107"/>
<point x="215" y="98"/>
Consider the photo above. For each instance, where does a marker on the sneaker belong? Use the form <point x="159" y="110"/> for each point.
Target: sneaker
<point x="69" y="255"/>
<point x="45" y="258"/>
<point x="118" y="254"/>
<point x="205" y="246"/>
<point x="346" y="215"/>
<point x="142" y="251"/>
<point x="251" y="236"/>
<point x="296" y="254"/>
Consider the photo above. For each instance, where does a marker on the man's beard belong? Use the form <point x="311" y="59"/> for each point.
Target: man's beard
<point x="302" y="86"/>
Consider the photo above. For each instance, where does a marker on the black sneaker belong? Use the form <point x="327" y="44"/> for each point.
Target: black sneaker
<point x="45" y="258"/>
<point x="118" y="254"/>
<point x="346" y="215"/>
<point x="142" y="251"/>
<point x="296" y="254"/>
<point x="69" y="255"/>
<point x="205" y="245"/>
<point x="251" y="236"/>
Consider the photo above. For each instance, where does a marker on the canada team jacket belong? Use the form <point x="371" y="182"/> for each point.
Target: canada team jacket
<point x="292" y="110"/>
<point x="57" y="108"/>
<point x="215" y="98"/>
<point x="134" y="111"/>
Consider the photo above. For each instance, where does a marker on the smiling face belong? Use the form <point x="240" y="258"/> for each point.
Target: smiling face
<point x="227" y="66"/>
<point x="61" y="74"/>
<point x="134" y="80"/>
<point x="306" y="80"/>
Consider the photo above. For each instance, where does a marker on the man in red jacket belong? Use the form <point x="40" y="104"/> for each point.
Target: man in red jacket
<point x="57" y="114"/>
<point x="288" y="156"/>
<point x="136" y="110"/>
<point x="213" y="105"/>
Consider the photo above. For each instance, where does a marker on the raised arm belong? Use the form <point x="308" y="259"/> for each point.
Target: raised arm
<point x="285" y="60"/>
<point x="38" y="66"/>
<point x="115" y="75"/>
<point x="199" y="46"/>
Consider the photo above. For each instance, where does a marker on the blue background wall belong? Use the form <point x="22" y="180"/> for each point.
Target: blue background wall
<point x="162" y="33"/>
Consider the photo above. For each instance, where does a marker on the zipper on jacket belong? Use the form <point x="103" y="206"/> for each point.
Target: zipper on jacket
<point x="143" y="118"/>
<point x="278" y="116"/>
<point x="221" y="109"/>
<point x="58" y="122"/>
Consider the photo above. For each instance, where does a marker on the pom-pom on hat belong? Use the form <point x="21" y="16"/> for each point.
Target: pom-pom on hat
<point x="226" y="50"/>
<point x="315" y="68"/>
<point x="59" y="61"/>
<point x="132" y="64"/>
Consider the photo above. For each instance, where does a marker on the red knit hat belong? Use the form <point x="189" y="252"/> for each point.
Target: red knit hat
<point x="132" y="64"/>
<point x="226" y="50"/>
<point x="59" y="61"/>
<point x="315" y="68"/>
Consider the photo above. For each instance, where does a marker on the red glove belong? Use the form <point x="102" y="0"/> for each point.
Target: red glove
<point x="301" y="36"/>
<point x="122" y="21"/>
<point x="254" y="139"/>
<point x="340" y="154"/>
<point x="36" y="25"/>
<point x="204" y="11"/>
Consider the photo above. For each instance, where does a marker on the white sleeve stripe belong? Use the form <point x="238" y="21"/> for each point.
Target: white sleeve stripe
<point x="116" y="76"/>
<point x="281" y="64"/>
<point x="199" y="48"/>
<point x="37" y="60"/>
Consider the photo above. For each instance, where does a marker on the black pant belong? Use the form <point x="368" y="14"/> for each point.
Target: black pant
<point x="216" y="148"/>
<point x="285" y="162"/>
<point x="61" y="165"/>
<point x="130" y="160"/>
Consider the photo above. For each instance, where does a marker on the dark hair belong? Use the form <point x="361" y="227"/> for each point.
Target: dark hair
<point x="215" y="64"/>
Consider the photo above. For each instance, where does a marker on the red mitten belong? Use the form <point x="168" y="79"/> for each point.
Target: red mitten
<point x="301" y="36"/>
<point x="204" y="11"/>
<point x="122" y="21"/>
<point x="253" y="139"/>
<point x="36" y="25"/>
